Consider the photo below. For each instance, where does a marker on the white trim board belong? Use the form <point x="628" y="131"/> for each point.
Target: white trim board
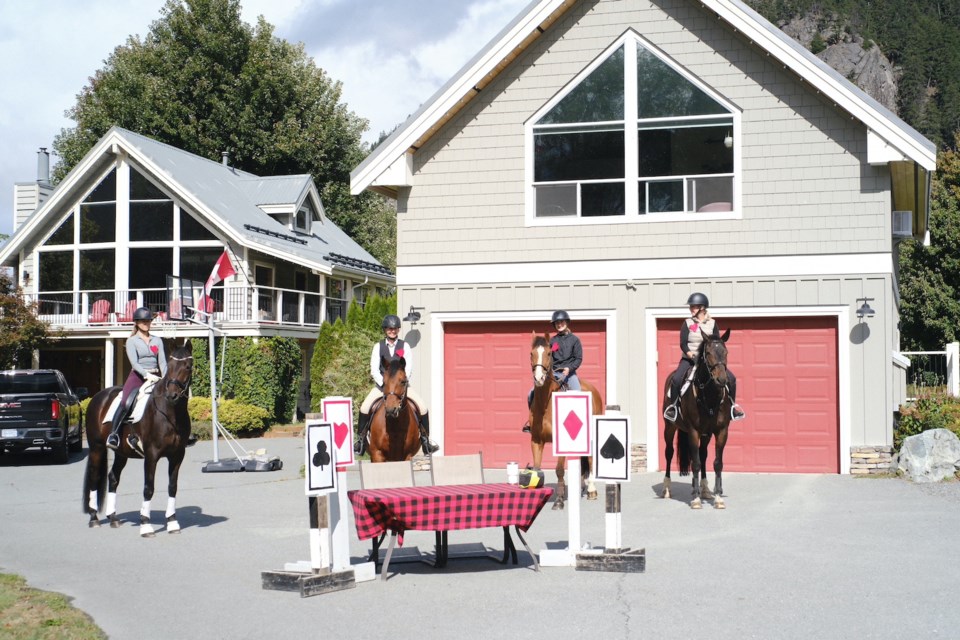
<point x="652" y="400"/>
<point x="752" y="268"/>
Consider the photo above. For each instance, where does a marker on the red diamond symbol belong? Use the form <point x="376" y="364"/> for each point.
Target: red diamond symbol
<point x="573" y="424"/>
<point x="339" y="433"/>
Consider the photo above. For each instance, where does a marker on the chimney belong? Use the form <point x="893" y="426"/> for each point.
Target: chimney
<point x="43" y="167"/>
<point x="225" y="158"/>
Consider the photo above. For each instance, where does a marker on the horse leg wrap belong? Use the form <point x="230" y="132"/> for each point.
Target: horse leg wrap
<point x="111" y="507"/>
<point x="92" y="504"/>
<point x="172" y="525"/>
<point x="146" y="529"/>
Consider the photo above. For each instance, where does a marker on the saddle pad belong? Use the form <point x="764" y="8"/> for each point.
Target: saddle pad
<point x="138" y="408"/>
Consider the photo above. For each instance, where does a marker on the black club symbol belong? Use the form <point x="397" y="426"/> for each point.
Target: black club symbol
<point x="321" y="457"/>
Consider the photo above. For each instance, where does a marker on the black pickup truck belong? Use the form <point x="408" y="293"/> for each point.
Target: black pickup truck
<point x="39" y="409"/>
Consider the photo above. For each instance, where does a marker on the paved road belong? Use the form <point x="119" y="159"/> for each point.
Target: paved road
<point x="793" y="556"/>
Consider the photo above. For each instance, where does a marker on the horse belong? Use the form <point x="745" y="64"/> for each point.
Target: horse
<point x="704" y="413"/>
<point x="394" y="427"/>
<point x="164" y="431"/>
<point x="541" y="417"/>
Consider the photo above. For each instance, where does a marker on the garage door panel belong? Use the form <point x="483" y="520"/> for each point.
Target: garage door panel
<point x="787" y="382"/>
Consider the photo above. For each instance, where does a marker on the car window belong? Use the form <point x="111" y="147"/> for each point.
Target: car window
<point x="29" y="383"/>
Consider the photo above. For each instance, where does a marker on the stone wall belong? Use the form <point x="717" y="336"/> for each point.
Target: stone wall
<point x="871" y="460"/>
<point x="638" y="458"/>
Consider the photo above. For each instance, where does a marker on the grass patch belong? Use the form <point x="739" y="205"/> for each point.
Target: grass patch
<point x="31" y="614"/>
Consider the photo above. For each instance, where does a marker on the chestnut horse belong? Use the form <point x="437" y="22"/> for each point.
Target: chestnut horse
<point x="704" y="413"/>
<point x="541" y="416"/>
<point x="394" y="428"/>
<point x="163" y="430"/>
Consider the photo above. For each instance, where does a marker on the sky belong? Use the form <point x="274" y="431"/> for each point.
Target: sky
<point x="390" y="55"/>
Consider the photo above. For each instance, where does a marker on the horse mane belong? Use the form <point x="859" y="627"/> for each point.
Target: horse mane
<point x="394" y="365"/>
<point x="539" y="341"/>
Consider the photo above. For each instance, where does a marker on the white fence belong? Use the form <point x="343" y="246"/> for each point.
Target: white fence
<point x="934" y="370"/>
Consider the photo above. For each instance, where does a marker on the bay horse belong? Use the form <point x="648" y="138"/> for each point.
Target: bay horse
<point x="394" y="427"/>
<point x="704" y="412"/>
<point x="163" y="430"/>
<point x="541" y="417"/>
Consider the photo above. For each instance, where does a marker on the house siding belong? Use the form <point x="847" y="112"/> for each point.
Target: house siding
<point x="806" y="186"/>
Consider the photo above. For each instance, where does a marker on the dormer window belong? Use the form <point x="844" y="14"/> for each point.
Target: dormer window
<point x="303" y="220"/>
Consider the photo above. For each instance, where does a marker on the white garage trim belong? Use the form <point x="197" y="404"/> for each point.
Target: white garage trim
<point x="842" y="315"/>
<point x="851" y="264"/>
<point x="438" y="374"/>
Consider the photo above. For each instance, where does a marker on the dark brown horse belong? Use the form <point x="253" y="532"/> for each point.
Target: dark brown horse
<point x="541" y="417"/>
<point x="163" y="431"/>
<point x="394" y="428"/>
<point x="704" y="413"/>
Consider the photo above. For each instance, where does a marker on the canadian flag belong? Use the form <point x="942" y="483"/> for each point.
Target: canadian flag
<point x="222" y="270"/>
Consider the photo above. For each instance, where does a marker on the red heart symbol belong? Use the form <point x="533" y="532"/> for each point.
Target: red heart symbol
<point x="339" y="434"/>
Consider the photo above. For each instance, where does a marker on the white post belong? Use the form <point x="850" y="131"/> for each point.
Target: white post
<point x="613" y="520"/>
<point x="953" y="369"/>
<point x="573" y="506"/>
<point x="213" y="392"/>
<point x="339" y="525"/>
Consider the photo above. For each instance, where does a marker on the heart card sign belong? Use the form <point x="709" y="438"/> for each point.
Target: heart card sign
<point x="571" y="423"/>
<point x="320" y="461"/>
<point x="338" y="411"/>
<point x="612" y="459"/>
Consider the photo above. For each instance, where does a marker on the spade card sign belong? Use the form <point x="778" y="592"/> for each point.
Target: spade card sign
<point x="320" y="462"/>
<point x="338" y="412"/>
<point x="571" y="423"/>
<point x="612" y="459"/>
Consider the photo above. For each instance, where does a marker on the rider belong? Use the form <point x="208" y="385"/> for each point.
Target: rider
<point x="148" y="362"/>
<point x="391" y="346"/>
<point x="567" y="353"/>
<point x="690" y="342"/>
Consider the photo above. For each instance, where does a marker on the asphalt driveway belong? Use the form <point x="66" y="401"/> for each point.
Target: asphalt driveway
<point x="792" y="556"/>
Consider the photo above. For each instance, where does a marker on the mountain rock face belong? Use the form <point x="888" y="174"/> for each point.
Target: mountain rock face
<point x="865" y="66"/>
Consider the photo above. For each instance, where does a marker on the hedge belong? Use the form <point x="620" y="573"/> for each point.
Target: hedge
<point x="235" y="416"/>
<point x="930" y="410"/>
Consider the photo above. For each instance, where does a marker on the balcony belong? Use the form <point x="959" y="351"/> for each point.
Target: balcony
<point x="238" y="306"/>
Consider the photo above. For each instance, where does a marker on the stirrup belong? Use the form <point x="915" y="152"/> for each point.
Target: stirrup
<point x="733" y="412"/>
<point x="671" y="413"/>
<point x="428" y="446"/>
<point x="526" y="428"/>
<point x="134" y="441"/>
<point x="113" y="441"/>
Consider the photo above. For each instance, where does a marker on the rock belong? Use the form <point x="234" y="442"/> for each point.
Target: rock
<point x="930" y="456"/>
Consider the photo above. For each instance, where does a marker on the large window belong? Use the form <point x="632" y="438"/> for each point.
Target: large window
<point x="632" y="135"/>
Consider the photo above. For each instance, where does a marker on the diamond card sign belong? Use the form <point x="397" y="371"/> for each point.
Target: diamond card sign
<point x="338" y="411"/>
<point x="612" y="458"/>
<point x="320" y="462"/>
<point x="571" y="423"/>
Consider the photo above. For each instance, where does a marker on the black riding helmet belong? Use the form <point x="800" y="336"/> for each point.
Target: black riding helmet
<point x="558" y="316"/>
<point x="142" y="313"/>
<point x="390" y="321"/>
<point x="698" y="298"/>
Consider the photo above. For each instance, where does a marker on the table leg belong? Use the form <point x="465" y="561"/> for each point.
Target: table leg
<point x="441" y="549"/>
<point x="536" y="565"/>
<point x="386" y="560"/>
<point x="509" y="550"/>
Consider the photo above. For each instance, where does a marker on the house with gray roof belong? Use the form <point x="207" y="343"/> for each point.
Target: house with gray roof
<point x="611" y="157"/>
<point x="135" y="211"/>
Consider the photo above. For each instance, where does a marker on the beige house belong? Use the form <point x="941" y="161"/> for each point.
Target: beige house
<point x="135" y="211"/>
<point x="609" y="157"/>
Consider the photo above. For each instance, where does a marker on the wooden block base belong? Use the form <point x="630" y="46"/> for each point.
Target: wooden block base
<point x="308" y="584"/>
<point x="619" y="560"/>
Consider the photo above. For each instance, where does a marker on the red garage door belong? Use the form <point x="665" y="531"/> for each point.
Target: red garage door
<point x="787" y="383"/>
<point x="486" y="380"/>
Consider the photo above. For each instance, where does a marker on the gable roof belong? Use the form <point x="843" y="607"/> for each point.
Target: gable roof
<point x="890" y="138"/>
<point x="230" y="199"/>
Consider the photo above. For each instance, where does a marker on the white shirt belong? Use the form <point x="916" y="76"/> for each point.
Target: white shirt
<point x="375" y="361"/>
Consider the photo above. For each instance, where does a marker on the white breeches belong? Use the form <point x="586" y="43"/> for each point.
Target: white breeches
<point x="375" y="394"/>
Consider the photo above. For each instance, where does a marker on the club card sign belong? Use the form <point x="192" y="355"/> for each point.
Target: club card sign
<point x="571" y="423"/>
<point x="338" y="411"/>
<point x="612" y="458"/>
<point x="320" y="458"/>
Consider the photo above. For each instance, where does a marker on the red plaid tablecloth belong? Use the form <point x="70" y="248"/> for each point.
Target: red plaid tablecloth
<point x="445" y="508"/>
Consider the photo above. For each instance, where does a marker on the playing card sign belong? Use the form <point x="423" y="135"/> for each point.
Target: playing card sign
<point x="320" y="458"/>
<point x="338" y="412"/>
<point x="612" y="459"/>
<point x="571" y="423"/>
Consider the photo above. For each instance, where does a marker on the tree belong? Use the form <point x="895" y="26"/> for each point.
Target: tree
<point x="205" y="81"/>
<point x="21" y="332"/>
<point x="930" y="276"/>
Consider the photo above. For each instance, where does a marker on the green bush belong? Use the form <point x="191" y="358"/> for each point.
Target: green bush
<point x="239" y="418"/>
<point x="933" y="409"/>
<point x="199" y="409"/>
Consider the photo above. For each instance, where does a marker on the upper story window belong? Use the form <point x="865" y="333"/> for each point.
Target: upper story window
<point x="631" y="136"/>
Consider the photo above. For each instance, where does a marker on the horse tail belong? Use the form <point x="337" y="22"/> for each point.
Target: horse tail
<point x="95" y="477"/>
<point x="683" y="452"/>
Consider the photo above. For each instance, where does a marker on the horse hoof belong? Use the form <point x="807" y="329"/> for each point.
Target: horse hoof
<point x="114" y="523"/>
<point x="696" y="504"/>
<point x="149" y="534"/>
<point x="719" y="504"/>
<point x="666" y="494"/>
<point x="591" y="495"/>
<point x="173" y="527"/>
<point x="558" y="506"/>
<point x="93" y="524"/>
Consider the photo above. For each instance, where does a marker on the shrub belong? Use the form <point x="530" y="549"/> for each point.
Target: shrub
<point x="199" y="409"/>
<point x="931" y="410"/>
<point x="238" y="418"/>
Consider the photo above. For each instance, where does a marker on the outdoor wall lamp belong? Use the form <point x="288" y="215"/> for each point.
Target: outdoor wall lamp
<point x="413" y="316"/>
<point x="865" y="311"/>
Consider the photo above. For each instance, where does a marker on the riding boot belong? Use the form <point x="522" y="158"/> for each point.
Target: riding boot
<point x="425" y="443"/>
<point x="736" y="411"/>
<point x="119" y="417"/>
<point x="672" y="411"/>
<point x="526" y="427"/>
<point x="360" y="446"/>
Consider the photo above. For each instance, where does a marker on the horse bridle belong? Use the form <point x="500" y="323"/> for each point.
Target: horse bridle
<point x="182" y="386"/>
<point x="401" y="396"/>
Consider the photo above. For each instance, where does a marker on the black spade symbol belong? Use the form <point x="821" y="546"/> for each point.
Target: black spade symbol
<point x="612" y="449"/>
<point x="321" y="457"/>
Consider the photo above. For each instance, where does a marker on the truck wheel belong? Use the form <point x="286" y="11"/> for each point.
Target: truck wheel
<point x="60" y="453"/>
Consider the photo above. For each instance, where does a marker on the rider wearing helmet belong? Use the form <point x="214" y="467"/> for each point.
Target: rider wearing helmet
<point x="148" y="362"/>
<point x="391" y="346"/>
<point x="690" y="343"/>
<point x="567" y="353"/>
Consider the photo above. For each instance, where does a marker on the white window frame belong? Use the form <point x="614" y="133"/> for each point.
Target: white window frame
<point x="630" y="41"/>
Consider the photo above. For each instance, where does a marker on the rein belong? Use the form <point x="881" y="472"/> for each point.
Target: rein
<point x="182" y="386"/>
<point x="701" y="384"/>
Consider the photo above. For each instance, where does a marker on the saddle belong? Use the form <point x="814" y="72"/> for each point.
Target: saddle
<point x="379" y="401"/>
<point x="139" y="406"/>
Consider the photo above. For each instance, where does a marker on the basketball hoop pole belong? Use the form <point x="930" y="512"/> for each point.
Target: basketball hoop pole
<point x="213" y="379"/>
